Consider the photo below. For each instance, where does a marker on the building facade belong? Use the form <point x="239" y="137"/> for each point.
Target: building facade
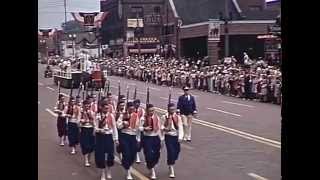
<point x="187" y="28"/>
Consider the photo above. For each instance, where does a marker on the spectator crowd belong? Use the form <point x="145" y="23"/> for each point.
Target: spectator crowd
<point x="251" y="80"/>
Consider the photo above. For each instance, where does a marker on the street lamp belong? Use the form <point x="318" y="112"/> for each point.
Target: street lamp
<point x="73" y="38"/>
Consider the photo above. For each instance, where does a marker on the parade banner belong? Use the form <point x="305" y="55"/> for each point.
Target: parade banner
<point x="214" y="30"/>
<point x="90" y="19"/>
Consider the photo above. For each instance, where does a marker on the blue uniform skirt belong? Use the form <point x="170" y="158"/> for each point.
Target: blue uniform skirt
<point x="62" y="126"/>
<point x="104" y="144"/>
<point x="86" y="140"/>
<point x="151" y="149"/>
<point x="128" y="147"/>
<point x="73" y="134"/>
<point x="173" y="149"/>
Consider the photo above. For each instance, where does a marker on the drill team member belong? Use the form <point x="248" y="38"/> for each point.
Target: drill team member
<point x="73" y="115"/>
<point x="106" y="135"/>
<point x="87" y="121"/>
<point x="152" y="139"/>
<point x="141" y="114"/>
<point x="60" y="109"/>
<point x="173" y="130"/>
<point x="187" y="108"/>
<point x="129" y="125"/>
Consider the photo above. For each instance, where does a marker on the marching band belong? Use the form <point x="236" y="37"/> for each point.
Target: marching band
<point x="100" y="125"/>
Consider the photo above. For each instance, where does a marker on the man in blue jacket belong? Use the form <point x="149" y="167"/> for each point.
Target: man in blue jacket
<point x="187" y="107"/>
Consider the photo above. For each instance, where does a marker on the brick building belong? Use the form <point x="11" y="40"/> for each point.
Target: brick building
<point x="187" y="27"/>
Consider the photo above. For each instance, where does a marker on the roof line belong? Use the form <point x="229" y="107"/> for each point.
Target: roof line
<point x="232" y="22"/>
<point x="235" y="2"/>
<point x="173" y="8"/>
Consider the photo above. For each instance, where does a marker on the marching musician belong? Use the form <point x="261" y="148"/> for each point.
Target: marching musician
<point x="152" y="139"/>
<point x="187" y="108"/>
<point x="111" y="102"/>
<point x="141" y="113"/>
<point x="60" y="109"/>
<point x="87" y="124"/>
<point x="94" y="103"/>
<point x="106" y="135"/>
<point x="129" y="125"/>
<point x="119" y="113"/>
<point x="73" y="115"/>
<point x="171" y="125"/>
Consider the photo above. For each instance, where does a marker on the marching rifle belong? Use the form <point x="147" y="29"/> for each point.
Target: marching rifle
<point x="126" y="115"/>
<point x="58" y="89"/>
<point x="71" y="90"/>
<point x="169" y="100"/>
<point x="79" y="89"/>
<point x="83" y="92"/>
<point x="86" y="87"/>
<point x="135" y="93"/>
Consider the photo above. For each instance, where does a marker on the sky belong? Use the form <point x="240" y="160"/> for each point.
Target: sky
<point x="51" y="12"/>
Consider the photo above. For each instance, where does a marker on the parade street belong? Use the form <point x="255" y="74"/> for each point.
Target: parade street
<point x="232" y="139"/>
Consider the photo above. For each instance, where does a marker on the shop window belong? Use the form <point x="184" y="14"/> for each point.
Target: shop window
<point x="168" y="29"/>
<point x="156" y="10"/>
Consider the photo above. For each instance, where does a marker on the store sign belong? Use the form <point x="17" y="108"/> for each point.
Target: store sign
<point x="133" y="23"/>
<point x="153" y="19"/>
<point x="143" y="40"/>
<point x="266" y="36"/>
<point x="214" y="30"/>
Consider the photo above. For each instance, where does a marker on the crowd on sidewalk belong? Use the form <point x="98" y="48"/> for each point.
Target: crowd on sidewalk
<point x="253" y="80"/>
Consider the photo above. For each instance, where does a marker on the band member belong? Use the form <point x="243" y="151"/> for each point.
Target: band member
<point x="111" y="103"/>
<point x="187" y="108"/>
<point x="73" y="115"/>
<point x="94" y="103"/>
<point x="129" y="125"/>
<point x="78" y="101"/>
<point x="106" y="136"/>
<point x="141" y="114"/>
<point x="87" y="121"/>
<point x="171" y="125"/>
<point x="110" y="100"/>
<point x="60" y="109"/>
<point x="152" y="139"/>
<point x="119" y="113"/>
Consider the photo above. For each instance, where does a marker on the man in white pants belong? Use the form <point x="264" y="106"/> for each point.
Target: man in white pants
<point x="187" y="107"/>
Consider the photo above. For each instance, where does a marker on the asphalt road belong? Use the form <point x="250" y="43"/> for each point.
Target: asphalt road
<point x="232" y="139"/>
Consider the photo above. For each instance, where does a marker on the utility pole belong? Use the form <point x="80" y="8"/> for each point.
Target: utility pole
<point x="138" y="36"/>
<point x="226" y="30"/>
<point x="167" y="31"/>
<point x="65" y="12"/>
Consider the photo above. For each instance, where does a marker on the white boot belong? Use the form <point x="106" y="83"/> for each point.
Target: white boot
<point x="73" y="150"/>
<point x="153" y="174"/>
<point x="61" y="141"/>
<point x="109" y="173"/>
<point x="129" y="176"/>
<point x="103" y="174"/>
<point x="138" y="158"/>
<point x="171" y="169"/>
<point x="86" y="160"/>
